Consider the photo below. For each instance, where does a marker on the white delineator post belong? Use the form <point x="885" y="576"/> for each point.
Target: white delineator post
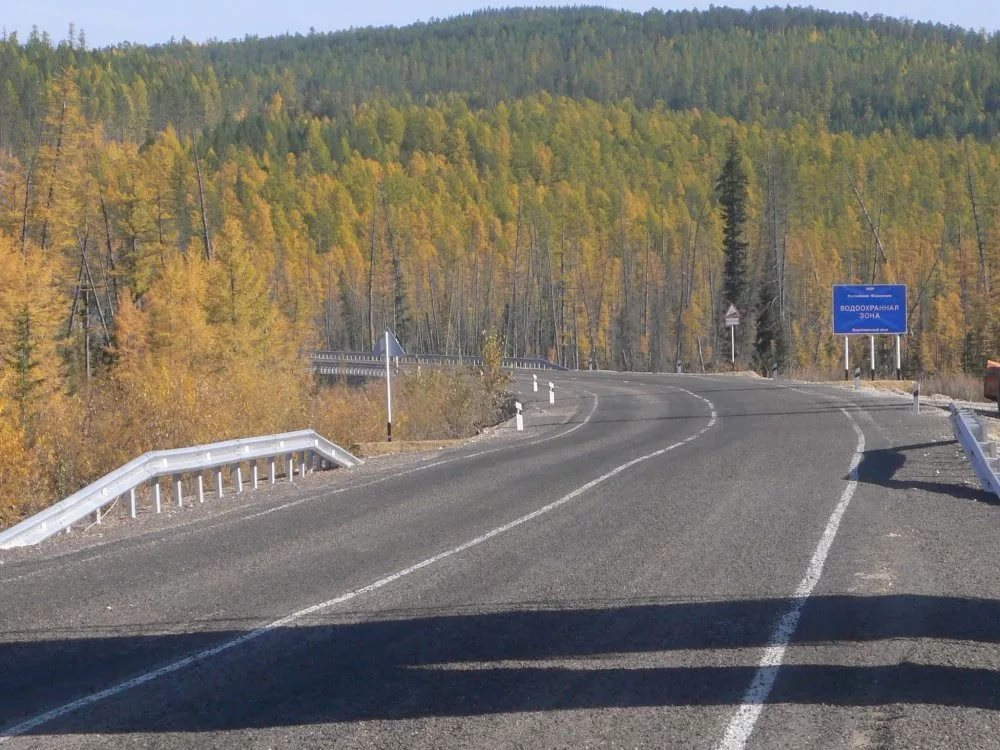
<point x="732" y="345"/>
<point x="552" y="392"/>
<point x="388" y="390"/>
<point x="520" y="419"/>
<point x="534" y="383"/>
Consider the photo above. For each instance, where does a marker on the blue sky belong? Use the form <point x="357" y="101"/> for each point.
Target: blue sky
<point x="111" y="21"/>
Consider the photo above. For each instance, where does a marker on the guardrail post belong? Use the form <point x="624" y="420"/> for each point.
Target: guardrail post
<point x="218" y="482"/>
<point x="156" y="494"/>
<point x="131" y="503"/>
<point x="290" y="467"/>
<point x="272" y="469"/>
<point x="97" y="516"/>
<point x="178" y="491"/>
<point x="239" y="478"/>
<point x="201" y="487"/>
<point x="255" y="472"/>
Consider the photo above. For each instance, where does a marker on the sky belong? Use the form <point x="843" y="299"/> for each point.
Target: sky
<point x="107" y="22"/>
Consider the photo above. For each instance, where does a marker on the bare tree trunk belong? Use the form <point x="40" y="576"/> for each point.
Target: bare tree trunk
<point x="984" y="277"/>
<point x="872" y="225"/>
<point x="371" y="284"/>
<point x="201" y="200"/>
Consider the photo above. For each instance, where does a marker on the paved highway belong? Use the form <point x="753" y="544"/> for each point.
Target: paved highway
<point x="658" y="561"/>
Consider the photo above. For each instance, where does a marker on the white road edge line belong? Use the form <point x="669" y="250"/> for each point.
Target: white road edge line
<point x="88" y="700"/>
<point x="424" y="467"/>
<point x="741" y="726"/>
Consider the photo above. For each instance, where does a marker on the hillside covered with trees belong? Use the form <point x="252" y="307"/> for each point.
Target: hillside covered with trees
<point x="178" y="223"/>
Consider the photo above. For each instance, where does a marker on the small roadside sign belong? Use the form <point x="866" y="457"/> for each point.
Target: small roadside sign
<point x="732" y="316"/>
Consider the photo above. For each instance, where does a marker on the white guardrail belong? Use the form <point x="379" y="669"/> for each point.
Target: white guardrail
<point x="304" y="448"/>
<point x="971" y="433"/>
<point x="359" y="359"/>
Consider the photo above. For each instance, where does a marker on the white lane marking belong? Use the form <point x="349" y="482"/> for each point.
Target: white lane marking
<point x="198" y="527"/>
<point x="142" y="679"/>
<point x="424" y="467"/>
<point x="742" y="724"/>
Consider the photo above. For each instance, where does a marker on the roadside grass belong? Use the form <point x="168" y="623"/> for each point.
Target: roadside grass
<point x="958" y="386"/>
<point x="85" y="439"/>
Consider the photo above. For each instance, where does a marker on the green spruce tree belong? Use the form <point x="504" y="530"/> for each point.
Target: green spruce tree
<point x="731" y="188"/>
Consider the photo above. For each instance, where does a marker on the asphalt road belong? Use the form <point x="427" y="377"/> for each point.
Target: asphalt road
<point x="657" y="561"/>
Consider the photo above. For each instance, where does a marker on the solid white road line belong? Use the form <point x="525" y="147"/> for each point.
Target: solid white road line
<point x="89" y="700"/>
<point x="742" y="724"/>
<point x="424" y="467"/>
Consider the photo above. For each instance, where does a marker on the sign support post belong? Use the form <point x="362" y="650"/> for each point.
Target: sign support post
<point x="873" y="356"/>
<point x="732" y="320"/>
<point x="899" y="360"/>
<point x="388" y="390"/>
<point x="847" y="358"/>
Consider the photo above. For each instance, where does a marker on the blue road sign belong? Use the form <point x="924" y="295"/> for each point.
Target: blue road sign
<point x="869" y="309"/>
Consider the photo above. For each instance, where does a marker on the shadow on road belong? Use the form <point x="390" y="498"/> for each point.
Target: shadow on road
<point x="921" y="466"/>
<point x="463" y="664"/>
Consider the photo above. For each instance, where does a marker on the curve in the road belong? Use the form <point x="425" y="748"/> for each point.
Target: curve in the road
<point x="34" y="722"/>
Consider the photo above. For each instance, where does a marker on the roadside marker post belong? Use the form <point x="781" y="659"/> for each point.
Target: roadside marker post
<point x="916" y="397"/>
<point x="857" y="378"/>
<point x="552" y="392"/>
<point x="520" y="419"/>
<point x="534" y="383"/>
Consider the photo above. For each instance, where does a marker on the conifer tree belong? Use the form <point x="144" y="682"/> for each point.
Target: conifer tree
<point x="731" y="188"/>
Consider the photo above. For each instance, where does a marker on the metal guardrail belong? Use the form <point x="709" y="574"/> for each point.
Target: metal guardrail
<point x="349" y="359"/>
<point x="303" y="447"/>
<point x="971" y="433"/>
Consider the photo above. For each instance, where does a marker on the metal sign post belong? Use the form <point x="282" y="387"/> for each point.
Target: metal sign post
<point x="847" y="358"/>
<point x="732" y="320"/>
<point x="388" y="390"/>
<point x="873" y="356"/>
<point x="392" y="348"/>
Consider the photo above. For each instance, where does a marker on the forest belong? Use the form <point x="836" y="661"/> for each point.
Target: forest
<point x="180" y="223"/>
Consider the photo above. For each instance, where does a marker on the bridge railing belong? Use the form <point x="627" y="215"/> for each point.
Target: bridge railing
<point x="972" y="434"/>
<point x="302" y="448"/>
<point x="360" y="358"/>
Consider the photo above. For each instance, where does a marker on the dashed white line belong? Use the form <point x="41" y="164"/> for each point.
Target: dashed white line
<point x="742" y="724"/>
<point x="200" y="656"/>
